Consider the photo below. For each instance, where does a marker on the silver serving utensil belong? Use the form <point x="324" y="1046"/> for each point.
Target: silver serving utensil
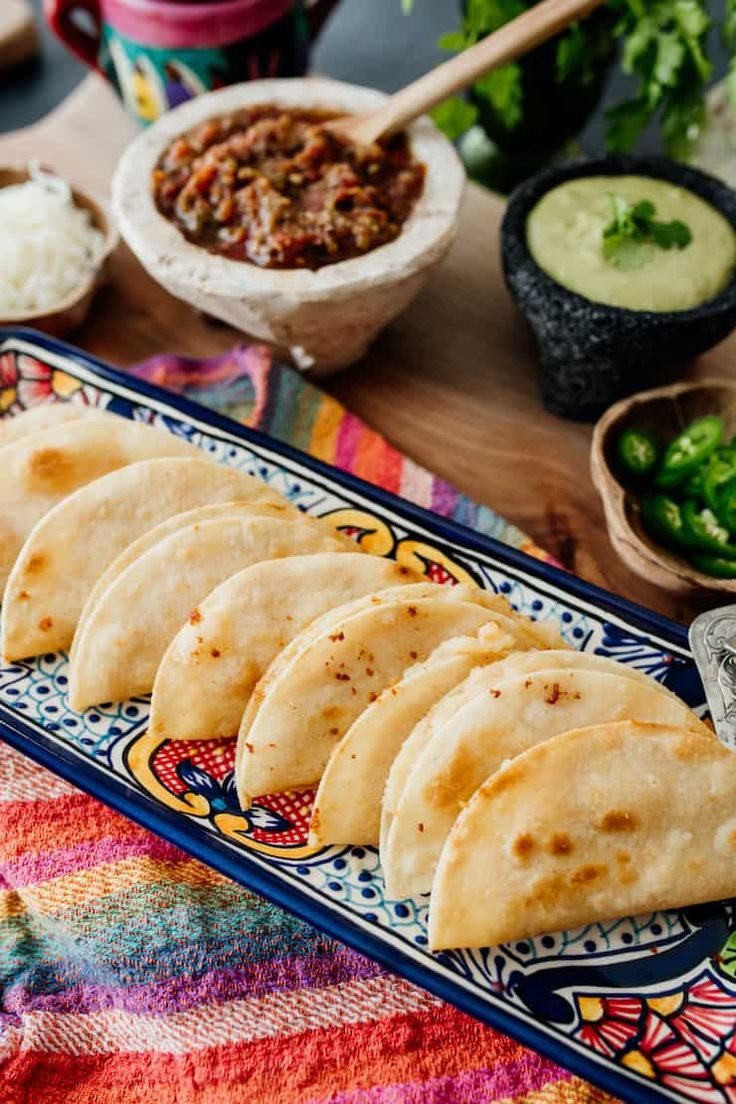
<point x="713" y="642"/>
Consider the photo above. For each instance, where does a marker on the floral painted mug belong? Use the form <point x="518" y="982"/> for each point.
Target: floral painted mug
<point x="159" y="53"/>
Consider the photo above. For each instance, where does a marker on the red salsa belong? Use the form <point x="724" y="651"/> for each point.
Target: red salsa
<point x="277" y="189"/>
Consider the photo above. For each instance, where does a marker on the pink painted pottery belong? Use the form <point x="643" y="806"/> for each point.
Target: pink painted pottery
<point x="160" y="53"/>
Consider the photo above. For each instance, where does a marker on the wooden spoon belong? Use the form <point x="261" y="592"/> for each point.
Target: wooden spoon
<point x="507" y="43"/>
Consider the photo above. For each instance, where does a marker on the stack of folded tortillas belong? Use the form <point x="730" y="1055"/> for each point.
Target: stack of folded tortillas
<point x="526" y="786"/>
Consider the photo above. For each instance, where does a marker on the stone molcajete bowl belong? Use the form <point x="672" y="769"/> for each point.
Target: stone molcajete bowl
<point x="592" y="354"/>
<point x="326" y="319"/>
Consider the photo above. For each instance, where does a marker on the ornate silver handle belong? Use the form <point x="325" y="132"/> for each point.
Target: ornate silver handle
<point x="713" y="642"/>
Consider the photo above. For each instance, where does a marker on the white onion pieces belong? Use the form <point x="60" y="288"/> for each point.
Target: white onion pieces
<point x="49" y="245"/>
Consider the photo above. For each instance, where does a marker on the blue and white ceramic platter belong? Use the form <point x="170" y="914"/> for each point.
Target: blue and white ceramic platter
<point x="643" y="1006"/>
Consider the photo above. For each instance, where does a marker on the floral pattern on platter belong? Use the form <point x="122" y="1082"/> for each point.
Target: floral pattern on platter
<point x="684" y="1040"/>
<point x="653" y="997"/>
<point x="26" y="381"/>
<point x="197" y="777"/>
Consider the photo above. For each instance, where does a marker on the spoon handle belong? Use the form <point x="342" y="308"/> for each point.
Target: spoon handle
<point x="712" y="640"/>
<point x="517" y="37"/>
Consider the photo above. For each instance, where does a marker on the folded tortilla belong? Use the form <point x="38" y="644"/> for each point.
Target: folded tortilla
<point x="325" y="624"/>
<point x="43" y="468"/>
<point x="481" y="682"/>
<point x="537" y="635"/>
<point x="498" y="724"/>
<point x="635" y="818"/>
<point x="318" y="686"/>
<point x="73" y="544"/>
<point x="273" y="506"/>
<point x="245" y="622"/>
<point x="360" y="763"/>
<point x="45" y="416"/>
<point x="122" y="640"/>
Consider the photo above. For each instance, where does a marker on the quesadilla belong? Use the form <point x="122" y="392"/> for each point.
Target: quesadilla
<point x="360" y="763"/>
<point x="122" y="640"/>
<point x="73" y="544"/>
<point x="307" y="701"/>
<point x="45" y="416"/>
<point x="245" y="623"/>
<point x="325" y="625"/>
<point x="272" y="506"/>
<point x="635" y="818"/>
<point x="537" y="635"/>
<point x="43" y="468"/>
<point x="480" y="682"/>
<point x="498" y="724"/>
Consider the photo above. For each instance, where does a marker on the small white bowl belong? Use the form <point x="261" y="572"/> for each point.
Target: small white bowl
<point x="65" y="316"/>
<point x="324" y="319"/>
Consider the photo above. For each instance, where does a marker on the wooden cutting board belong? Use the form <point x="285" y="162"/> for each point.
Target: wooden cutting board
<point x="452" y="383"/>
<point x="18" y="34"/>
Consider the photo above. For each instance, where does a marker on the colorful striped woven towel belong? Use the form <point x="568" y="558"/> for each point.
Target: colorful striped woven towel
<point x="131" y="973"/>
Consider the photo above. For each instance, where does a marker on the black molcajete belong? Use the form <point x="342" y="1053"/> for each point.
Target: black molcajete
<point x="591" y="354"/>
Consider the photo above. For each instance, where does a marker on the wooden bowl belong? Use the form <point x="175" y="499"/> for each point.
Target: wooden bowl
<point x="662" y="412"/>
<point x="69" y="313"/>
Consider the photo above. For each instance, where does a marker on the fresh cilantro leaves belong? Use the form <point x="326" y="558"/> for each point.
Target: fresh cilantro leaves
<point x="664" y="50"/>
<point x="502" y="87"/>
<point x="454" y="117"/>
<point x="633" y="233"/>
<point x="664" y="44"/>
<point x="570" y="55"/>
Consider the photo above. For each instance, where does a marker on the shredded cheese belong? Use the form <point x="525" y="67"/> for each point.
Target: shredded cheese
<point x="49" y="245"/>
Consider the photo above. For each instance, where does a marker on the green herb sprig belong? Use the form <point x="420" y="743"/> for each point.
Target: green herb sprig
<point x="501" y="87"/>
<point x="664" y="45"/>
<point x="633" y="233"/>
<point x="664" y="50"/>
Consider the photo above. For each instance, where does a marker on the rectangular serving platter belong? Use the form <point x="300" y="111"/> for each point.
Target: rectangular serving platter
<point x="645" y="1007"/>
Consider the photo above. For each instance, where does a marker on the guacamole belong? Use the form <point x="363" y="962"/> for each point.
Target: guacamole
<point x="565" y="237"/>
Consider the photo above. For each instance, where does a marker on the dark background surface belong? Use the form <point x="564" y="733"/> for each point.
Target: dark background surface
<point x="366" y="41"/>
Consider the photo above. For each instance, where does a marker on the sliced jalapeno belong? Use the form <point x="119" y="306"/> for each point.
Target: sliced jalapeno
<point x="718" y="566"/>
<point x="703" y="530"/>
<point x="726" y="504"/>
<point x="637" y="452"/>
<point x="694" y="487"/>
<point x="662" y="519"/>
<point x="689" y="450"/>
<point x="719" y="469"/>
